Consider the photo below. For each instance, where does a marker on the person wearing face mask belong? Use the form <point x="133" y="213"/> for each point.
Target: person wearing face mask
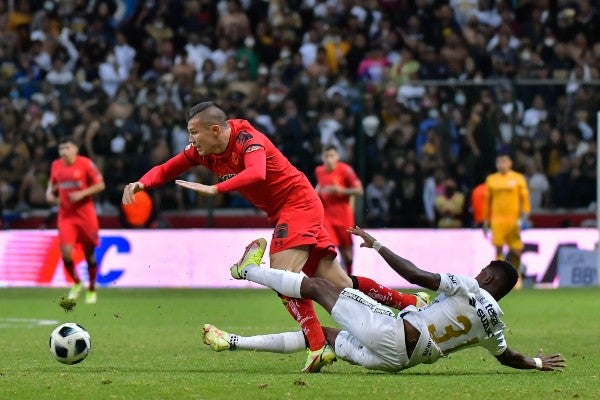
<point x="449" y="206"/>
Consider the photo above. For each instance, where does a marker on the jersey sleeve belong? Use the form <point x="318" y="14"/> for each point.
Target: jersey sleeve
<point x="352" y="180"/>
<point x="496" y="344"/>
<point x="171" y="169"/>
<point x="451" y="284"/>
<point x="93" y="173"/>
<point x="255" y="162"/>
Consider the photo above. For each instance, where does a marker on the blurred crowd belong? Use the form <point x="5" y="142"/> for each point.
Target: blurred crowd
<point x="418" y="96"/>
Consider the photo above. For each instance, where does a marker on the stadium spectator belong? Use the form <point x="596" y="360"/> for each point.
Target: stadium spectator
<point x="373" y="336"/>
<point x="534" y="40"/>
<point x="450" y="206"/>
<point x="377" y="199"/>
<point x="74" y="179"/>
<point x="244" y="160"/>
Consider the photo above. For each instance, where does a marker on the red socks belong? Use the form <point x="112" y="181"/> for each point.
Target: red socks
<point x="92" y="272"/>
<point x="70" y="267"/>
<point x="383" y="294"/>
<point x="303" y="312"/>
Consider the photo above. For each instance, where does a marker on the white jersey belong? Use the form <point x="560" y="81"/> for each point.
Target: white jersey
<point x="462" y="315"/>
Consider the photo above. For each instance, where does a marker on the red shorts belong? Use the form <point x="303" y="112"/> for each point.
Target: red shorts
<point x="339" y="233"/>
<point x="302" y="225"/>
<point x="72" y="231"/>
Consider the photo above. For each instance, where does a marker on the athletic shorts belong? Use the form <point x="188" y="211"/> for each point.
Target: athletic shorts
<point x="372" y="336"/>
<point x="506" y="234"/>
<point x="302" y="225"/>
<point x="339" y="234"/>
<point x="73" y="231"/>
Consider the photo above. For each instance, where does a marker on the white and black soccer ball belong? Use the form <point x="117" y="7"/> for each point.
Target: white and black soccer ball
<point x="70" y="343"/>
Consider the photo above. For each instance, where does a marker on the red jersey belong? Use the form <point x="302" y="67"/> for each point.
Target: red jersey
<point x="337" y="206"/>
<point x="80" y="175"/>
<point x="251" y="165"/>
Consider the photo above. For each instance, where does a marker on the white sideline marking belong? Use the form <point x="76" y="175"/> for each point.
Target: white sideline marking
<point x="25" y="322"/>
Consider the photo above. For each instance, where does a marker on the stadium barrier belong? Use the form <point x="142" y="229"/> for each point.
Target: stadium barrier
<point x="200" y="258"/>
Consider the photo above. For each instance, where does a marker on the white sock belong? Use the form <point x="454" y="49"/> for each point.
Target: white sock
<point x="284" y="282"/>
<point x="286" y="342"/>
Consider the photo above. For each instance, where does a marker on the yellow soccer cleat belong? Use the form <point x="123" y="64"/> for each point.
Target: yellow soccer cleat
<point x="423" y="299"/>
<point x="75" y="291"/>
<point x="319" y="358"/>
<point x="217" y="339"/>
<point x="91" y="297"/>
<point x="252" y="256"/>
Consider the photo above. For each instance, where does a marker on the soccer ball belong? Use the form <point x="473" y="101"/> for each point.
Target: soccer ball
<point x="70" y="343"/>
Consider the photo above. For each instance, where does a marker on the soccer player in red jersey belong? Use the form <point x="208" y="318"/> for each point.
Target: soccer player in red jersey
<point x="245" y="160"/>
<point x="337" y="183"/>
<point x="74" y="179"/>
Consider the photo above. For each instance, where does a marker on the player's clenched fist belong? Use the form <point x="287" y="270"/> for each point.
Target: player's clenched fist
<point x="130" y="190"/>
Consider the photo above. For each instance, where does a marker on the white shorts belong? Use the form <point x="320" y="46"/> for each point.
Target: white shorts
<point x="372" y="336"/>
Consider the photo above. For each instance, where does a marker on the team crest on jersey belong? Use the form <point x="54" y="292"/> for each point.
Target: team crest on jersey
<point x="235" y="159"/>
<point x="243" y="137"/>
<point x="252" y="148"/>
<point x="281" y="231"/>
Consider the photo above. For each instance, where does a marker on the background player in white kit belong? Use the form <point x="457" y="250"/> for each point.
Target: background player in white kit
<point x="466" y="313"/>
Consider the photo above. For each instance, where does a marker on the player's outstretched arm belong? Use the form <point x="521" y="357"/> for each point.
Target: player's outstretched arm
<point x="514" y="359"/>
<point x="402" y="266"/>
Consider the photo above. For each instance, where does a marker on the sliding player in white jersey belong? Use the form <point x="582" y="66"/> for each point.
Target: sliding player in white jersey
<point x="466" y="313"/>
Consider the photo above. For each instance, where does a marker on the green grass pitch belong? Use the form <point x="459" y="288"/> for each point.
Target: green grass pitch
<point x="146" y="344"/>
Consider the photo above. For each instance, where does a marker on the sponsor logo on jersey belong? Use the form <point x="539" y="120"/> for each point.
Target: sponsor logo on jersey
<point x="493" y="315"/>
<point x="484" y="321"/>
<point x="243" y="137"/>
<point x="223" y="178"/>
<point x="452" y="279"/>
<point x="472" y="301"/>
<point x="374" y="307"/>
<point x="427" y="351"/>
<point x="69" y="185"/>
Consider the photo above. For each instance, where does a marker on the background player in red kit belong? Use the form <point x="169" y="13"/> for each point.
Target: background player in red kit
<point x="245" y="160"/>
<point x="76" y="179"/>
<point x="337" y="183"/>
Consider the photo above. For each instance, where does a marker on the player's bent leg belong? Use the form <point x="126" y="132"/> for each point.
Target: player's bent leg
<point x="349" y="348"/>
<point x="292" y="259"/>
<point x="330" y="269"/>
<point x="385" y="295"/>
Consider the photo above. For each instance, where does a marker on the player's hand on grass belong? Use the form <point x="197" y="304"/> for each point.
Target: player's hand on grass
<point x="554" y="362"/>
<point x="367" y="239"/>
<point x="208" y="190"/>
<point x="130" y="190"/>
